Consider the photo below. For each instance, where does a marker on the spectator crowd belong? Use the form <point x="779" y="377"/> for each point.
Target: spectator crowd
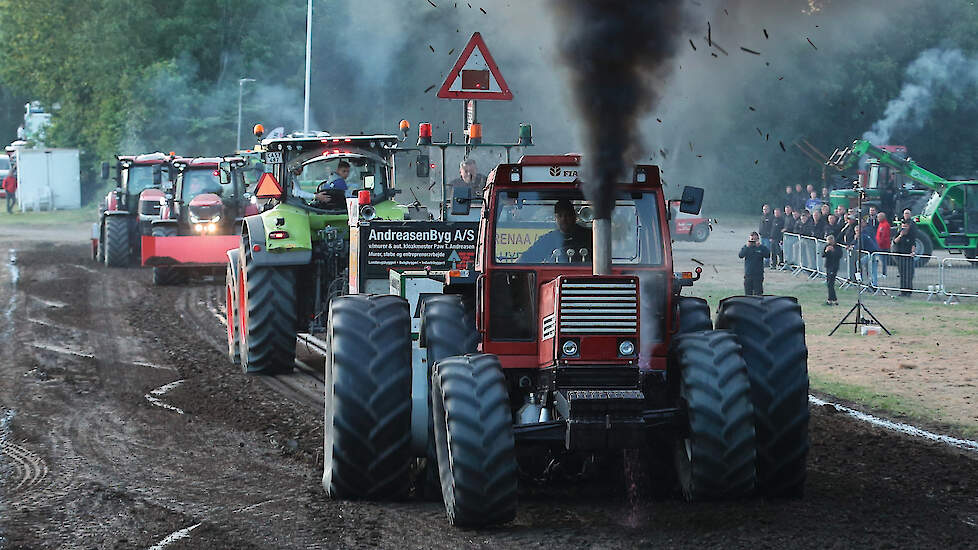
<point x="808" y="213"/>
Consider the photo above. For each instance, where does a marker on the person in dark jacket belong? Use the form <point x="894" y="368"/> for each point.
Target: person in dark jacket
<point x="819" y="224"/>
<point x="777" y="234"/>
<point x="754" y="254"/>
<point x="806" y="247"/>
<point x="906" y="243"/>
<point x="764" y="229"/>
<point x="832" y="252"/>
<point x="800" y="198"/>
<point x="789" y="196"/>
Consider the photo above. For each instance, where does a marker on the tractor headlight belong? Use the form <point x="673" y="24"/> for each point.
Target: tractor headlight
<point x="198" y="228"/>
<point x="626" y="347"/>
<point x="569" y="348"/>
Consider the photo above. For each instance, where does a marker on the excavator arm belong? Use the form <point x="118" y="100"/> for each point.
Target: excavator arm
<point x="844" y="159"/>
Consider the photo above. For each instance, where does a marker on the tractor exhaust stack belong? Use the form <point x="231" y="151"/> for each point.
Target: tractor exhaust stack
<point x="601" y="235"/>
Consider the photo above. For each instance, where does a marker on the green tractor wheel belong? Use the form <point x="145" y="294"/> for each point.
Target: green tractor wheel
<point x="267" y="319"/>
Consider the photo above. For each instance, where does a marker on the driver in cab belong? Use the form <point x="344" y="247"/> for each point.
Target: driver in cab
<point x="556" y="246"/>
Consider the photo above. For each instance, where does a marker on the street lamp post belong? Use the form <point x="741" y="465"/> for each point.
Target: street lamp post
<point x="241" y="82"/>
<point x="305" y="111"/>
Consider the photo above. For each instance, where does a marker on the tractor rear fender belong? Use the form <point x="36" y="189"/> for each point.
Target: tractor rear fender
<point x="292" y="225"/>
<point x="254" y="229"/>
<point x="164" y="223"/>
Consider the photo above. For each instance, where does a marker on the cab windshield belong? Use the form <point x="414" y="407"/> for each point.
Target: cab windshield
<point x="200" y="181"/>
<point x="540" y="227"/>
<point x="365" y="173"/>
<point x="140" y="177"/>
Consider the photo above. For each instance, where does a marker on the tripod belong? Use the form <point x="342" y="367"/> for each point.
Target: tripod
<point x="859" y="307"/>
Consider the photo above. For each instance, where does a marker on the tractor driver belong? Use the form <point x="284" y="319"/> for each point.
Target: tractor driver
<point x="553" y="247"/>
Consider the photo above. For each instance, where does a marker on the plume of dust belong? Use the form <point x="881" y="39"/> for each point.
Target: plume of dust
<point x="616" y="53"/>
<point x="935" y="71"/>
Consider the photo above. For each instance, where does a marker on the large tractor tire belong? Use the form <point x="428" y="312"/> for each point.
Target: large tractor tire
<point x="474" y="440"/>
<point x="117" y="245"/>
<point x="716" y="459"/>
<point x="163" y="275"/>
<point x="694" y="315"/>
<point x="231" y="307"/>
<point x="447" y="329"/>
<point x="267" y="319"/>
<point x="367" y="440"/>
<point x="771" y="332"/>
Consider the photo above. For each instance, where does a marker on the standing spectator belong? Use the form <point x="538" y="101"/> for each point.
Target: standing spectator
<point x="789" y="196"/>
<point x="10" y="187"/>
<point x="809" y="189"/>
<point x="883" y="238"/>
<point x="800" y="198"/>
<point x="789" y="245"/>
<point x="825" y="195"/>
<point x="806" y="227"/>
<point x="754" y="253"/>
<point x="867" y="242"/>
<point x="832" y="253"/>
<point x="871" y="219"/>
<point x="847" y="233"/>
<point x="764" y="230"/>
<point x="813" y="203"/>
<point x="819" y="224"/>
<point x="840" y="211"/>
<point x="832" y="225"/>
<point x="826" y="210"/>
<point x="906" y="243"/>
<point x="777" y="237"/>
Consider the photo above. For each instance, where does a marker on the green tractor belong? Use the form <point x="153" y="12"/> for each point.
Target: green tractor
<point x="947" y="217"/>
<point x="293" y="256"/>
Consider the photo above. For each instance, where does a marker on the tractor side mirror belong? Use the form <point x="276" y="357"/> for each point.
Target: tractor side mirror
<point x="225" y="175"/>
<point x="692" y="200"/>
<point x="105" y="170"/>
<point x="157" y="175"/>
<point x="461" y="201"/>
<point x="424" y="168"/>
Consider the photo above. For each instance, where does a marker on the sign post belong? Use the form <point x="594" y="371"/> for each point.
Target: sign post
<point x="475" y="76"/>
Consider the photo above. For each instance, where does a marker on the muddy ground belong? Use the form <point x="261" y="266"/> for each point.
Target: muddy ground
<point x="123" y="425"/>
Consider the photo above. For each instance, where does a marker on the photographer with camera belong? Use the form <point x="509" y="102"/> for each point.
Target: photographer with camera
<point x="754" y="253"/>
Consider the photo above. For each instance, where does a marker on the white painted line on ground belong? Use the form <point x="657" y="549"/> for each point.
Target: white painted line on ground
<point x="86" y="268"/>
<point x="174" y="536"/>
<point x="151" y="396"/>
<point x="899" y="426"/>
<point x="59" y="349"/>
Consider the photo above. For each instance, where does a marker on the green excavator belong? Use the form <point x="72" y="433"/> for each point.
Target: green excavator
<point x="948" y="218"/>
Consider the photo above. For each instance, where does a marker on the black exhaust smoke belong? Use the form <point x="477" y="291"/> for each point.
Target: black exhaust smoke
<point x="616" y="52"/>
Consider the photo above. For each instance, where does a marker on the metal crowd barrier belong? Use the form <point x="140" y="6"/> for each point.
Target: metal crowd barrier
<point x="950" y="278"/>
<point x="958" y="276"/>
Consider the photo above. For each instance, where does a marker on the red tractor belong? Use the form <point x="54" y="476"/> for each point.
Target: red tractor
<point x="572" y="349"/>
<point x="688" y="227"/>
<point x="203" y="205"/>
<point x="128" y="211"/>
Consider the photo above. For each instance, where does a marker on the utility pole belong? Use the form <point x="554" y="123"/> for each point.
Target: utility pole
<point x="241" y="82"/>
<point x="305" y="113"/>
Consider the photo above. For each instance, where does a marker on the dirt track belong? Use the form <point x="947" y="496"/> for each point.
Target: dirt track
<point x="89" y="461"/>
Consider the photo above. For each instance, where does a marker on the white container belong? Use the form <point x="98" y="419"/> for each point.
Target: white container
<point x="48" y="179"/>
<point x="870" y="330"/>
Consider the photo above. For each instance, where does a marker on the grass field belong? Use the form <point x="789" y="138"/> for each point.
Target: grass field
<point x="86" y="214"/>
<point x="923" y="372"/>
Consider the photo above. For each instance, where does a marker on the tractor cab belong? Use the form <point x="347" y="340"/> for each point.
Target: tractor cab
<point x="134" y="175"/>
<point x="549" y="295"/>
<point x="200" y="198"/>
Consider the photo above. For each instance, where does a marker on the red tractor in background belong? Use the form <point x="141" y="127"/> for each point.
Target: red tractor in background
<point x="688" y="227"/>
<point x="128" y="211"/>
<point x="203" y="205"/>
<point x="571" y="349"/>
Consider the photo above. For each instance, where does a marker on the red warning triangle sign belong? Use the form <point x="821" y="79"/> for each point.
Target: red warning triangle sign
<point x="475" y="75"/>
<point x="268" y="187"/>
